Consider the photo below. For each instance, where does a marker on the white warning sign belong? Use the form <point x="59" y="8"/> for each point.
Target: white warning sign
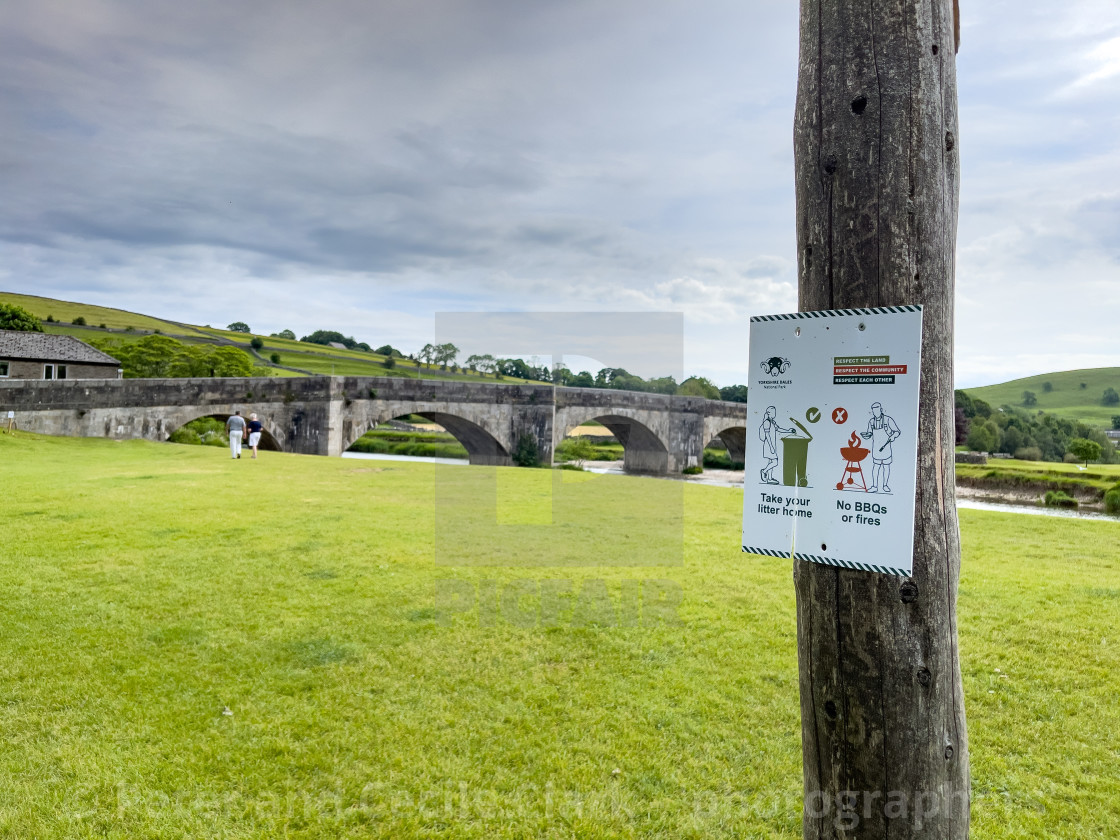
<point x="832" y="437"/>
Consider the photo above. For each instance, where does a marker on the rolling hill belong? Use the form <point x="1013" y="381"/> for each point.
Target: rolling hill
<point x="297" y="358"/>
<point x="1075" y="394"/>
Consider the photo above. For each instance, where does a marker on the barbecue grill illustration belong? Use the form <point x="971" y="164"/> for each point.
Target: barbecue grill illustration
<point x="853" y="454"/>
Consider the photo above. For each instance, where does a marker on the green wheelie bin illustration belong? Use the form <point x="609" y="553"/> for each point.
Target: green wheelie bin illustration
<point x="795" y="457"/>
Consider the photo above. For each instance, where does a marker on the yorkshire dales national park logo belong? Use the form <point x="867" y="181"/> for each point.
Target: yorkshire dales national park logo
<point x="773" y="368"/>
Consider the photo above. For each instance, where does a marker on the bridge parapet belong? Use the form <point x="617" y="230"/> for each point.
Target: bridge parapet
<point x="295" y="410"/>
<point x="323" y="415"/>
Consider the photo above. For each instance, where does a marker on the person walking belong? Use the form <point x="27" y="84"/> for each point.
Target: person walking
<point x="235" y="426"/>
<point x="768" y="434"/>
<point x="255" y="429"/>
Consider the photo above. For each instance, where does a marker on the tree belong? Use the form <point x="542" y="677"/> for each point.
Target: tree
<point x="516" y="367"/>
<point x="1110" y="397"/>
<point x="960" y="423"/>
<point x="1085" y="450"/>
<point x="151" y="357"/>
<point x="257" y="343"/>
<point x="875" y="148"/>
<point x="445" y="353"/>
<point x="527" y="454"/>
<point x="158" y="356"/>
<point x="274" y="358"/>
<point x="583" y="379"/>
<point x="1116" y="422"/>
<point x="326" y="337"/>
<point x="80" y="321"/>
<point x="1047" y="386"/>
<point x="983" y="437"/>
<point x="285" y="334"/>
<point x="578" y="450"/>
<point x="15" y="317"/>
<point x="1030" y="398"/>
<point x="733" y="393"/>
<point x="388" y="350"/>
<point x="1109" y="453"/>
<point x="230" y="361"/>
<point x="239" y="327"/>
<point x="698" y="386"/>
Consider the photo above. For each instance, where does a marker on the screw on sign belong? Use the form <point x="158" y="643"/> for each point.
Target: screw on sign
<point x="839" y="416"/>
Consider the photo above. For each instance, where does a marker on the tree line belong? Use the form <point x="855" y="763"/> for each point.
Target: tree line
<point x="1028" y="436"/>
<point x="160" y="357"/>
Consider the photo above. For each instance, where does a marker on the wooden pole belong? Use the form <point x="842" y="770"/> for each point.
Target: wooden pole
<point x="883" y="725"/>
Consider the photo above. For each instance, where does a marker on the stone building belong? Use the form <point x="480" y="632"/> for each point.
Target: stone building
<point x="31" y="355"/>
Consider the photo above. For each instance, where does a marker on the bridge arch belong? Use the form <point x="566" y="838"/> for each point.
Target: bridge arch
<point x="270" y="432"/>
<point x="733" y="438"/>
<point x="482" y="446"/>
<point x="644" y="450"/>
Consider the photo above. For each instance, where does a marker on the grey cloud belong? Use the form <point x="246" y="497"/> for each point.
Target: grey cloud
<point x="521" y="156"/>
<point x="1099" y="218"/>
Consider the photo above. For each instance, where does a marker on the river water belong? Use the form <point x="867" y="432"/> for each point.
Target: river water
<point x="734" y="478"/>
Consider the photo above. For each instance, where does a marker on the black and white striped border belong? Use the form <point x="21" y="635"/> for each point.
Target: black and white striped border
<point x="826" y="561"/>
<point x="832" y="313"/>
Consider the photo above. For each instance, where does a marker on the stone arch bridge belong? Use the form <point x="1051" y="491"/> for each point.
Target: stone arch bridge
<point x="324" y="415"/>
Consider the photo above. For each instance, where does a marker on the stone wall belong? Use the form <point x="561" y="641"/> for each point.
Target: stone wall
<point x="325" y="415"/>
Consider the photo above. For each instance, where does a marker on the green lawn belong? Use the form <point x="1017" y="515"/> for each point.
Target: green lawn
<point x="373" y="690"/>
<point x="1067" y="397"/>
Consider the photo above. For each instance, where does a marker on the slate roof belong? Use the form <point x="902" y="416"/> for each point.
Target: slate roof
<point x="44" y="347"/>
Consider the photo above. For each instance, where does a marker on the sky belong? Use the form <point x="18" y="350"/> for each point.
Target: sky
<point x="362" y="165"/>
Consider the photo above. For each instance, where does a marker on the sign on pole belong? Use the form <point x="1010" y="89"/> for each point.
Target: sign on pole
<point x="832" y="437"/>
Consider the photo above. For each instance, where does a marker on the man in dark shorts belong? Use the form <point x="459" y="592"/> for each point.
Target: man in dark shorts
<point x="255" y="429"/>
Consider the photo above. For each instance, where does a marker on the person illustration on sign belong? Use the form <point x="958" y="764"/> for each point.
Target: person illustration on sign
<point x="882" y="431"/>
<point x="768" y="434"/>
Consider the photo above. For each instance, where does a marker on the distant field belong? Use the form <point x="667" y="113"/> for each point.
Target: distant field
<point x="66" y="311"/>
<point x="1067" y="397"/>
<point x="86" y="334"/>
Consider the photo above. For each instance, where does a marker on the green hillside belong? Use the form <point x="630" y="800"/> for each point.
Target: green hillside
<point x="66" y="311"/>
<point x="1075" y="394"/>
<point x="306" y="358"/>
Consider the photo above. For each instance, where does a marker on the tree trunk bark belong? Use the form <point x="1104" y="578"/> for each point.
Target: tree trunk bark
<point x="882" y="708"/>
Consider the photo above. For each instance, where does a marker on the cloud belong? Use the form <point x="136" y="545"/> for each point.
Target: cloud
<point x="375" y="163"/>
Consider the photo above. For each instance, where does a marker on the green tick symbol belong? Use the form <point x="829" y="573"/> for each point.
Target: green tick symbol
<point x="813" y="414"/>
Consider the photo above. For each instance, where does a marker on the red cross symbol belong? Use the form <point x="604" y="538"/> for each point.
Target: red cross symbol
<point x="839" y="416"/>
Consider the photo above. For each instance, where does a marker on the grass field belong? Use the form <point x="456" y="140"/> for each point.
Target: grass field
<point x="196" y="647"/>
<point x="1067" y="397"/>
